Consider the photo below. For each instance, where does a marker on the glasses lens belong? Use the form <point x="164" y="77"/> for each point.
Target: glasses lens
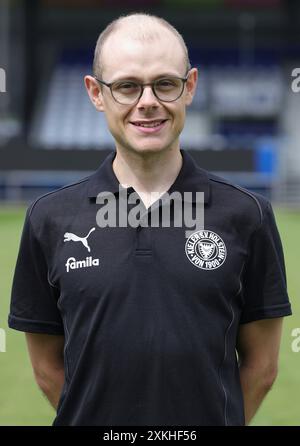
<point x="126" y="92"/>
<point x="168" y="89"/>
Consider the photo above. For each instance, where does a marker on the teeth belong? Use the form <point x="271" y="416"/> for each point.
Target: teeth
<point x="155" y="124"/>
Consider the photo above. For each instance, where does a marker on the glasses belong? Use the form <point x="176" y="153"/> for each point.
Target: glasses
<point x="127" y="92"/>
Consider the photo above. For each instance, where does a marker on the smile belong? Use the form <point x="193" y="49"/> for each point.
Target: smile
<point x="149" y="126"/>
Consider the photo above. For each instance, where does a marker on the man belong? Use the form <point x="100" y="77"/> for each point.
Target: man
<point x="141" y="325"/>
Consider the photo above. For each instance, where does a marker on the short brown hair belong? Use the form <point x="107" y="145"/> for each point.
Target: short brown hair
<point x="141" y="33"/>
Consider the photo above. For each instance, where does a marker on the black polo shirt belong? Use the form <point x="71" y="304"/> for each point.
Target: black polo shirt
<point x="150" y="318"/>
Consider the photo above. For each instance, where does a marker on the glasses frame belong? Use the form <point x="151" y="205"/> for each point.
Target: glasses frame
<point x="152" y="84"/>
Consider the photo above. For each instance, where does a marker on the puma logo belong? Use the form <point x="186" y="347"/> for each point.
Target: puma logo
<point x="69" y="236"/>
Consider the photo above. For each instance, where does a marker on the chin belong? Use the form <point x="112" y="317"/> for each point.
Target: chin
<point x="151" y="147"/>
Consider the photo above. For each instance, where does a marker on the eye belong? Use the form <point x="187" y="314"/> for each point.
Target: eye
<point x="126" y="86"/>
<point x="166" y="83"/>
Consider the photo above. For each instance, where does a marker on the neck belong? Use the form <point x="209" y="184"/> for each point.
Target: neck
<point x="147" y="173"/>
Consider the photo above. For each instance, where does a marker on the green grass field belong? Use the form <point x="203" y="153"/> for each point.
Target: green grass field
<point x="21" y="403"/>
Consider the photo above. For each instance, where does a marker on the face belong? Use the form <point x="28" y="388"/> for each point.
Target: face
<point x="128" y="59"/>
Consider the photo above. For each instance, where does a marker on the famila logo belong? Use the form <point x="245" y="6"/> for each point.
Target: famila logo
<point x="72" y="263"/>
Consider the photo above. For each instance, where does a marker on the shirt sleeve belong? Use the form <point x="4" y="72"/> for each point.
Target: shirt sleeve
<point x="264" y="286"/>
<point x="33" y="306"/>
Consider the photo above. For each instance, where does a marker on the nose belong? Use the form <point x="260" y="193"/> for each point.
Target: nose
<point x="148" y="98"/>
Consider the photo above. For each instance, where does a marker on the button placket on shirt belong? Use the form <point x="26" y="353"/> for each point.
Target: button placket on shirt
<point x="143" y="239"/>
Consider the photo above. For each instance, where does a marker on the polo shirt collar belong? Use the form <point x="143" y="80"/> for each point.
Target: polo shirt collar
<point x="190" y="178"/>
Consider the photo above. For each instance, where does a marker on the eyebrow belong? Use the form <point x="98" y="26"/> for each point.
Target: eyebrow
<point x="135" y="78"/>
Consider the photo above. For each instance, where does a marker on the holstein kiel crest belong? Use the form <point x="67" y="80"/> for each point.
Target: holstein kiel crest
<point x="206" y="250"/>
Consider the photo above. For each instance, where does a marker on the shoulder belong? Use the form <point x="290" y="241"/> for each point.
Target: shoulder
<point x="58" y="201"/>
<point x="241" y="201"/>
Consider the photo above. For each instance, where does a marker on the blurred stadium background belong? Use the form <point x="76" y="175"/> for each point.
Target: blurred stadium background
<point x="242" y="125"/>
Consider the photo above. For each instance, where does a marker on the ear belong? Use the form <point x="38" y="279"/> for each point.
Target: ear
<point x="191" y="85"/>
<point x="94" y="92"/>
